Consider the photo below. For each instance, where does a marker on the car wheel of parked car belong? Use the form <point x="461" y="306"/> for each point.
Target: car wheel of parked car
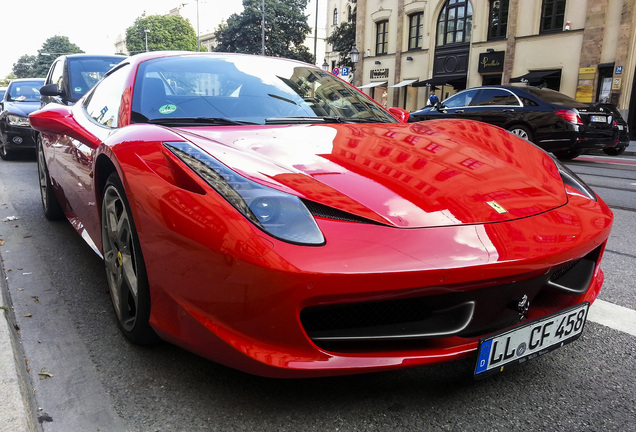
<point x="50" y="204"/>
<point x="521" y="132"/>
<point x="567" y="154"/>
<point x="125" y="269"/>
<point x="4" y="153"/>
<point x="614" y="151"/>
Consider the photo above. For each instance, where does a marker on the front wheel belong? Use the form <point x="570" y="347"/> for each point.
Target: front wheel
<point x="50" y="204"/>
<point x="125" y="268"/>
<point x="4" y="153"/>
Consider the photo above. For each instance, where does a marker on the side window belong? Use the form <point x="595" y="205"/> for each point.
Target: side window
<point x="495" y="97"/>
<point x="104" y="101"/>
<point x="461" y="99"/>
<point x="57" y="74"/>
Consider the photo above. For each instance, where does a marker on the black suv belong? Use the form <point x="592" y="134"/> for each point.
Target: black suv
<point x="553" y="121"/>
<point x="71" y="76"/>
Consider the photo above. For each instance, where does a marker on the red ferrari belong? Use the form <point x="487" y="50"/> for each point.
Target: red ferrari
<point x="268" y="216"/>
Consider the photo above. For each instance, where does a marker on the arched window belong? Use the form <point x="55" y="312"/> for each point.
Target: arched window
<point x="455" y="22"/>
<point x="335" y="16"/>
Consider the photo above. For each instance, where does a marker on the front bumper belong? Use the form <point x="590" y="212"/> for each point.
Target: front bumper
<point x="18" y="138"/>
<point x="279" y="310"/>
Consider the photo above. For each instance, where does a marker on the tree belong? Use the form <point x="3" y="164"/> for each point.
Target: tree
<point x="285" y="30"/>
<point x="343" y="38"/>
<point x="23" y="68"/>
<point x="164" y="33"/>
<point x="29" y="66"/>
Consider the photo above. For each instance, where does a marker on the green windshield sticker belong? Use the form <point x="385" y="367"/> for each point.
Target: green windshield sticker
<point x="167" y="109"/>
<point x="78" y="89"/>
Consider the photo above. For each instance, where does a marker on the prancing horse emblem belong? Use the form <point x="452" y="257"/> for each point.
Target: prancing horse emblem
<point x="523" y="306"/>
<point x="498" y="207"/>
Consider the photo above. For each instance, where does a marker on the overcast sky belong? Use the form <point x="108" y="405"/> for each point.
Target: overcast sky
<point x="92" y="25"/>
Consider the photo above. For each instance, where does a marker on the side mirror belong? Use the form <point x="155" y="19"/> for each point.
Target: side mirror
<point x="400" y="114"/>
<point x="58" y="119"/>
<point x="50" y="90"/>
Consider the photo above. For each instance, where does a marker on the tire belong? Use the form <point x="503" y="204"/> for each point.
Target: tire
<point x="614" y="151"/>
<point x="567" y="155"/>
<point x="124" y="263"/>
<point x="4" y="153"/>
<point x="51" y="206"/>
<point x="521" y="132"/>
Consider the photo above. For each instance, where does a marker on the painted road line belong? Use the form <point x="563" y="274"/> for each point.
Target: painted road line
<point x="613" y="316"/>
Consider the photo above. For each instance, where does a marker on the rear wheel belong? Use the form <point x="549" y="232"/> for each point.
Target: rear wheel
<point x="521" y="132"/>
<point x="50" y="204"/>
<point x="614" y="151"/>
<point x="125" y="269"/>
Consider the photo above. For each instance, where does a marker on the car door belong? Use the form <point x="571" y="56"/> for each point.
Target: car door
<point x="496" y="106"/>
<point x="457" y="105"/>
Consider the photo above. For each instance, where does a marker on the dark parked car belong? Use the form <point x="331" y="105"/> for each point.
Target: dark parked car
<point x="21" y="98"/>
<point x="621" y="131"/>
<point x="71" y="76"/>
<point x="552" y="120"/>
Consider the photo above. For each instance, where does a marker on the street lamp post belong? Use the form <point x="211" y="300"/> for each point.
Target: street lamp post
<point x="325" y="65"/>
<point x="354" y="56"/>
<point x="146" y="31"/>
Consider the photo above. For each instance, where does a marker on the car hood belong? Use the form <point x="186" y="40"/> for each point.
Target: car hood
<point x="435" y="173"/>
<point x="21" y="108"/>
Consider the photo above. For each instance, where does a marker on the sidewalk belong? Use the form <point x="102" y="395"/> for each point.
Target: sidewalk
<point x="15" y="411"/>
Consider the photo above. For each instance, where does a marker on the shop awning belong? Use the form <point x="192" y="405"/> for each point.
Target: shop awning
<point x="535" y="76"/>
<point x="373" y="84"/>
<point x="438" y="81"/>
<point x="404" y="83"/>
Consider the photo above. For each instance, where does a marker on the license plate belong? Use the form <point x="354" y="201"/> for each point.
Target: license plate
<point x="620" y="127"/>
<point x="530" y="340"/>
<point x="598" y="119"/>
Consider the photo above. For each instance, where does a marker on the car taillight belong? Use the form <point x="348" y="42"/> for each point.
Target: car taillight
<point x="570" y="116"/>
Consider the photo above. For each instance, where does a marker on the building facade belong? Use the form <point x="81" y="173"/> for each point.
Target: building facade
<point x="412" y="48"/>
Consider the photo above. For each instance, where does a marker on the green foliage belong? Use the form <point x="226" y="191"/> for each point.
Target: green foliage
<point x="164" y="33"/>
<point x="29" y="66"/>
<point x="285" y="30"/>
<point x="24" y="66"/>
<point x="343" y="38"/>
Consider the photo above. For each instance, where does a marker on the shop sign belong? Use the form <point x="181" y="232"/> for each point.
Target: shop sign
<point x="379" y="73"/>
<point x="491" y="62"/>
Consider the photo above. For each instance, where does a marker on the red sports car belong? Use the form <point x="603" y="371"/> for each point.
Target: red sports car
<point x="266" y="215"/>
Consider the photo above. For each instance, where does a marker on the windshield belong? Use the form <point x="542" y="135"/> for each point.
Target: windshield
<point x="246" y="89"/>
<point x="24" y="91"/>
<point x="85" y="72"/>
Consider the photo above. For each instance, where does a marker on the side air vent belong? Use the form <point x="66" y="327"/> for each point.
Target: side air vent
<point x="323" y="211"/>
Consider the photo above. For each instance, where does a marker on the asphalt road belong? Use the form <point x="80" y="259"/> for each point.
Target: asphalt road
<point x="84" y="376"/>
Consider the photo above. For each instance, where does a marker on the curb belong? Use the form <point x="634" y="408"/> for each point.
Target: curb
<point x="15" y="410"/>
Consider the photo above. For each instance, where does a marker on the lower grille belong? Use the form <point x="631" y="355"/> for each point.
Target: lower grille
<point x="465" y="311"/>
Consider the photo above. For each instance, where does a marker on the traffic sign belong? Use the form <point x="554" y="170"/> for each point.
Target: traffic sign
<point x="345" y="71"/>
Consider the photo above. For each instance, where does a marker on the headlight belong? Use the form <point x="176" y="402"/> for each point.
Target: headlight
<point x="572" y="180"/>
<point x="15" y="120"/>
<point x="281" y="215"/>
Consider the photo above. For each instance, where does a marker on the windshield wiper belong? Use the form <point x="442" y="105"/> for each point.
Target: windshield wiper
<point x="205" y="121"/>
<point x="321" y="119"/>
